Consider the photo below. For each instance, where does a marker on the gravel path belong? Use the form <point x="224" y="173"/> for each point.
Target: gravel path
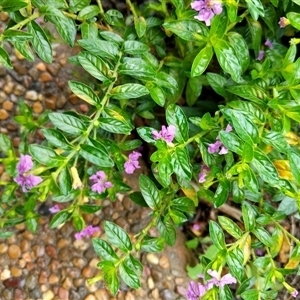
<point x="51" y="264"/>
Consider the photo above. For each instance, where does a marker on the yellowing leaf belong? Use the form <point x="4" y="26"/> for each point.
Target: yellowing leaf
<point x="245" y="246"/>
<point x="292" y="138"/>
<point x="283" y="168"/>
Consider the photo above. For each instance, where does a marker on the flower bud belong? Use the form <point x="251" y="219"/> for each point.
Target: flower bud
<point x="76" y="184"/>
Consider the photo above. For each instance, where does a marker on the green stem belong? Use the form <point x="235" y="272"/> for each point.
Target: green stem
<point x="24" y="22"/>
<point x="132" y="8"/>
<point x="199" y="135"/>
<point x="286" y="232"/>
<point x="102" y="13"/>
<point x="241" y="17"/>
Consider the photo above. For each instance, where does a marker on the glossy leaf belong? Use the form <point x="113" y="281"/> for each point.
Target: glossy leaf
<point x="217" y="235"/>
<point x="248" y="216"/>
<point x="263" y="235"/>
<point x="56" y="138"/>
<point x="276" y="140"/>
<point x="256" y="34"/>
<point x="167" y="231"/>
<point x="235" y="262"/>
<point x="181" y="163"/>
<point x="135" y="47"/>
<point x="104" y="250"/>
<point x="60" y="218"/>
<point x="140" y="26"/>
<point x="84" y="92"/>
<point x="277" y="238"/>
<point x="217" y="82"/>
<point x="110" y="275"/>
<point x="130" y="271"/>
<point x="184" y="204"/>
<point x="117" y="236"/>
<point x="5" y="144"/>
<point x="202" y="60"/>
<point x="158" y="95"/>
<point x="294" y="159"/>
<point x="65" y="181"/>
<point x="294" y="18"/>
<point x="45" y="155"/>
<point x="149" y="192"/>
<point x="96" y="155"/>
<point x="128" y="91"/>
<point x="12" y="5"/>
<point x="5" y="59"/>
<point x="88" y="12"/>
<point x="231" y="227"/>
<point x="24" y="49"/>
<point x="152" y="244"/>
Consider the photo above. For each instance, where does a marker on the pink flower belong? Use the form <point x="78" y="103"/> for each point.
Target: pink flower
<point x="207" y="9"/>
<point x="260" y="55"/>
<point x="166" y="133"/>
<point x="215" y="147"/>
<point x="226" y="279"/>
<point x="26" y="181"/>
<point x="195" y="290"/>
<point x="294" y="293"/>
<point x="88" y="231"/>
<point x="54" y="209"/>
<point x="132" y="163"/>
<point x="283" y="22"/>
<point x="100" y="184"/>
<point x="196" y="227"/>
<point x="202" y="175"/>
<point x="268" y="43"/>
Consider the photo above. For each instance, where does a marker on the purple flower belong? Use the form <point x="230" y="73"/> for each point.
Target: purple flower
<point x="26" y="181"/>
<point x="260" y="55"/>
<point x="268" y="43"/>
<point x="294" y="293"/>
<point x="88" y="231"/>
<point x="226" y="279"/>
<point x="54" y="209"/>
<point x="283" y="22"/>
<point x="215" y="147"/>
<point x="100" y="184"/>
<point x="195" y="290"/>
<point x="207" y="9"/>
<point x="166" y="133"/>
<point x="132" y="163"/>
<point x="203" y="173"/>
<point x="196" y="227"/>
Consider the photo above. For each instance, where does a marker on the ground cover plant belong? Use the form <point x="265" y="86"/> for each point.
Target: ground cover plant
<point x="216" y="84"/>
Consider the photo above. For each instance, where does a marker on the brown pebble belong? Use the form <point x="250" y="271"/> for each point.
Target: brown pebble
<point x="34" y="73"/>
<point x="129" y="296"/>
<point x="15" y="272"/>
<point x="53" y="278"/>
<point x="12" y="126"/>
<point x="45" y="77"/>
<point x="51" y="251"/>
<point x="63" y="294"/>
<point x="50" y="104"/>
<point x="8" y="105"/>
<point x="102" y="294"/>
<point x="180" y="290"/>
<point x="31" y="95"/>
<point x="43" y="278"/>
<point x="84" y="108"/>
<point x="54" y="265"/>
<point x="90" y="297"/>
<point x="62" y="242"/>
<point x="67" y="284"/>
<point x="28" y="235"/>
<point x="48" y="295"/>
<point x="20" y="68"/>
<point x="18" y="295"/>
<point x="19" y="90"/>
<point x="27" y="257"/>
<point x="87" y="272"/>
<point x="79" y="262"/>
<point x="155" y="293"/>
<point x="8" y="88"/>
<point x="78" y="282"/>
<point x="61" y="101"/>
<point x="3" y="248"/>
<point x="4" y="16"/>
<point x="37" y="107"/>
<point x="41" y="66"/>
<point x="14" y="282"/>
<point x="3" y="114"/>
<point x="16" y="141"/>
<point x="164" y="262"/>
<point x="14" y="251"/>
<point x="73" y="99"/>
<point x="53" y="69"/>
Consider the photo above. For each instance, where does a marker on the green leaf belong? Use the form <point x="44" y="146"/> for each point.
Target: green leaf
<point x="256" y="34"/>
<point x="250" y="179"/>
<point x="93" y="65"/>
<point x="117" y="236"/>
<point x="135" y="47"/>
<point x="250" y="295"/>
<point x="128" y="91"/>
<point x="56" y="138"/>
<point x="100" y="48"/>
<point x="294" y="159"/>
<point x="137" y="198"/>
<point x="76" y="5"/>
<point x="6" y="234"/>
<point x="175" y="116"/>
<point x="227" y="59"/>
<point x="149" y="192"/>
<point x="130" y="270"/>
<point x="202" y="60"/>
<point x="217" y="235"/>
<point x="256" y="8"/>
<point x="104" y="250"/>
<point x="152" y="244"/>
<point x="50" y="3"/>
<point x="263" y="235"/>
<point x="96" y="155"/>
<point x="247" y="153"/>
<point x="46" y="156"/>
<point x="167" y="231"/>
<point x="248" y="216"/>
<point x="5" y="59"/>
<point x="221" y="194"/>
<point x="17" y="35"/>
<point x="130" y="145"/>
<point x="5" y="144"/>
<point x="165" y="170"/>
<point x="277" y="241"/>
<point x="184" y="204"/>
<point x="140" y="26"/>
<point x="65" y="181"/>
<point x="111" y="37"/>
<point x="246" y="285"/>
<point x="235" y="262"/>
<point x="12" y="5"/>
<point x="181" y="163"/>
<point x="88" y="12"/>
<point x="110" y="276"/>
<point x="84" y="92"/>
<point x="238" y="193"/>
<point x="24" y="49"/>
<point x="294" y="18"/>
<point x="64" y="25"/>
<point x="217" y="82"/>
<point x="218" y="26"/>
<point x="276" y="140"/>
<point x="193" y="90"/>
<point x="89" y="208"/>
<point x="60" y="218"/>
<point x="230" y="227"/>
<point x="158" y="95"/>
<point x="89" y="31"/>
<point x="67" y="123"/>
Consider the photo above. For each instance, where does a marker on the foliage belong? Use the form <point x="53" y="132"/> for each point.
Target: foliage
<point x="160" y="57"/>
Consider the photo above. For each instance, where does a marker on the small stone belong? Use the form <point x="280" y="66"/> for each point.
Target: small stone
<point x="45" y="77"/>
<point x="48" y="295"/>
<point x="180" y="290"/>
<point x="5" y="274"/>
<point x="14" y="282"/>
<point x="84" y="108"/>
<point x="61" y="101"/>
<point x="20" y="68"/>
<point x="31" y="282"/>
<point x="19" y="90"/>
<point x="8" y="105"/>
<point x="31" y="95"/>
<point x="93" y="263"/>
<point x="129" y="296"/>
<point x="102" y="294"/>
<point x="8" y="88"/>
<point x="7" y="294"/>
<point x="63" y="294"/>
<point x="53" y="68"/>
<point x="18" y="295"/>
<point x="37" y="107"/>
<point x="2" y="71"/>
<point x="51" y="251"/>
<point x="78" y="282"/>
<point x="3" y="114"/>
<point x="22" y="263"/>
<point x="44" y="288"/>
<point x="39" y="250"/>
<point x="81" y="245"/>
<point x="53" y="278"/>
<point x="41" y="66"/>
<point x="54" y="265"/>
<point x="34" y="73"/>
<point x="90" y="297"/>
<point x="152" y="258"/>
<point x="14" y="251"/>
<point x="27" y="256"/>
<point x="43" y="278"/>
<point x="164" y="262"/>
<point x="79" y="262"/>
<point x="87" y="272"/>
<point x="64" y="254"/>
<point x="12" y="126"/>
<point x="28" y="235"/>
<point x="73" y="99"/>
<point x="62" y="242"/>
<point x="3" y="248"/>
<point x="3" y="96"/>
<point x="150" y="283"/>
<point x="167" y="295"/>
<point x="16" y="141"/>
<point x="67" y="284"/>
<point x="50" y="104"/>
<point x="155" y="293"/>
<point x="15" y="272"/>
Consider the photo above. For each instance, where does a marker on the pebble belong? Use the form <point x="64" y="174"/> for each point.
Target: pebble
<point x="37" y="107"/>
<point x="152" y="258"/>
<point x="64" y="254"/>
<point x="39" y="250"/>
<point x="8" y="88"/>
<point x="48" y="295"/>
<point x="18" y="295"/>
<point x="164" y="262"/>
<point x="14" y="251"/>
<point x="4" y="115"/>
<point x="45" y="77"/>
<point x="87" y="272"/>
<point x="53" y="68"/>
<point x="51" y="251"/>
<point x="81" y="245"/>
<point x="3" y="248"/>
<point x="167" y="295"/>
<point x="53" y="278"/>
<point x="102" y="294"/>
<point x="84" y="108"/>
<point x="79" y="262"/>
<point x="78" y="282"/>
<point x="28" y="235"/>
<point x="61" y="243"/>
<point x="67" y="284"/>
<point x="150" y="283"/>
<point x="31" y="282"/>
<point x="5" y="274"/>
<point x="8" y="105"/>
<point x="155" y="293"/>
<point x="31" y="95"/>
<point x="180" y="290"/>
<point x="61" y="101"/>
<point x="19" y="90"/>
<point x="63" y="294"/>
<point x="15" y="272"/>
<point x="8" y="294"/>
<point x="90" y="297"/>
<point x="43" y="278"/>
<point x="41" y="66"/>
<point x="34" y="73"/>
